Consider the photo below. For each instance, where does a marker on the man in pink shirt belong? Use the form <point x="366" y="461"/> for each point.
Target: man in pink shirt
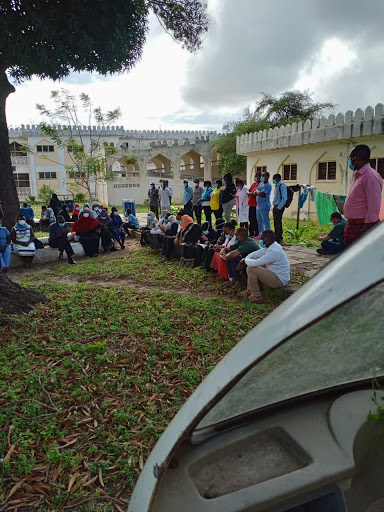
<point x="363" y="203"/>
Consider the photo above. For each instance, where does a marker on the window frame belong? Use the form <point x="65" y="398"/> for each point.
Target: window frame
<point x="47" y="178"/>
<point x="290" y="171"/>
<point x="327" y="178"/>
<point x="18" y="180"/>
<point x="375" y="163"/>
<point x="50" y="148"/>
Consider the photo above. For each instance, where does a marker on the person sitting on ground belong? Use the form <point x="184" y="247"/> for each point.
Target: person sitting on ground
<point x="168" y="241"/>
<point x="230" y="239"/>
<point x="95" y="209"/>
<point x="190" y="233"/>
<point x="58" y="232"/>
<point x="87" y="228"/>
<point x="208" y="235"/>
<point x="269" y="265"/>
<point x="22" y="236"/>
<point x="132" y="221"/>
<point x="106" y="231"/>
<point x="55" y="204"/>
<point x="47" y="218"/>
<point x="156" y="234"/>
<point x="235" y="253"/>
<point x="151" y="222"/>
<point x="333" y="243"/>
<point x="215" y="246"/>
<point x="75" y="212"/>
<point x="64" y="213"/>
<point x="5" y="247"/>
<point x="29" y="214"/>
<point x="117" y="227"/>
<point x="221" y="244"/>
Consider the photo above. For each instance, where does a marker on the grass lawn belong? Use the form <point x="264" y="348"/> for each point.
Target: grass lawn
<point x="90" y="380"/>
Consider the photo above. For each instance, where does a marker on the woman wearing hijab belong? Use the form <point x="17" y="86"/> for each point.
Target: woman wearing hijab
<point x="218" y="239"/>
<point x="151" y="223"/>
<point x="189" y="234"/>
<point x="228" y="196"/>
<point x="242" y="208"/>
<point x="105" y="230"/>
<point x="76" y="212"/>
<point x="117" y="227"/>
<point x="55" y="204"/>
<point x="86" y="205"/>
<point x="230" y="239"/>
<point x="86" y="228"/>
<point x="22" y="236"/>
<point x="156" y="234"/>
<point x="64" y="213"/>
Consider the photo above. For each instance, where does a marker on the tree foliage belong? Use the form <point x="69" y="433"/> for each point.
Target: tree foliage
<point x="270" y="111"/>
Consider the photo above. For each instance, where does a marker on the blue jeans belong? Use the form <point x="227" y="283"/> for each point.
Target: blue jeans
<point x="119" y="236"/>
<point x="332" y="247"/>
<point x="263" y="221"/>
<point x="5" y="258"/>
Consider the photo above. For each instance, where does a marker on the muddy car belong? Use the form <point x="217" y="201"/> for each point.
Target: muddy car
<point x="281" y="424"/>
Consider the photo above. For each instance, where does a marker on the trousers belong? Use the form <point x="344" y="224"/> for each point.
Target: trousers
<point x="208" y="214"/>
<point x="227" y="208"/>
<point x="332" y="247"/>
<point x="155" y="210"/>
<point x="197" y="209"/>
<point x="188" y="209"/>
<point x="253" y="229"/>
<point x="218" y="213"/>
<point x="5" y="257"/>
<point x="351" y="233"/>
<point x="277" y="222"/>
<point x="232" y="272"/>
<point x="261" y="274"/>
<point x="263" y="221"/>
<point x="62" y="244"/>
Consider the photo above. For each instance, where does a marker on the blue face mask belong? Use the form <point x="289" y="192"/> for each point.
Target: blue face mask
<point x="149" y="216"/>
<point x="228" y="237"/>
<point x="62" y="225"/>
<point x="206" y="232"/>
<point x="262" y="179"/>
<point x="255" y="178"/>
<point x="185" y="185"/>
<point x="179" y="221"/>
<point x="115" y="213"/>
<point x="350" y="165"/>
<point x="215" y="185"/>
<point x="165" y="221"/>
<point x="274" y="182"/>
<point x="262" y="244"/>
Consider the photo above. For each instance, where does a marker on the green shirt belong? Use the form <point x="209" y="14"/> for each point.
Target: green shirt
<point x="245" y="247"/>
<point x="337" y="233"/>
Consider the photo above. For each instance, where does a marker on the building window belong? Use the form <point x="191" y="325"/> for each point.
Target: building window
<point x="21" y="180"/>
<point x="112" y="145"/>
<point x="47" y="175"/>
<point x="14" y="148"/>
<point x="290" y="172"/>
<point x="378" y="165"/>
<point x="45" y="149"/>
<point x="261" y="169"/>
<point x="326" y="171"/>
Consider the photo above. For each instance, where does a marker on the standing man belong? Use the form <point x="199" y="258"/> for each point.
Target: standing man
<point x="29" y="214"/>
<point x="187" y="199"/>
<point x="252" y="203"/>
<point x="196" y="200"/>
<point x="165" y="197"/>
<point x="279" y="200"/>
<point x="333" y="243"/>
<point x="263" y="192"/>
<point x="153" y="195"/>
<point x="363" y="203"/>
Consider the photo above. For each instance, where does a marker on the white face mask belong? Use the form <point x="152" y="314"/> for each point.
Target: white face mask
<point x="22" y="222"/>
<point x="86" y="214"/>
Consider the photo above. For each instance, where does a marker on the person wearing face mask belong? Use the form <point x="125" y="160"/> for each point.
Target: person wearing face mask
<point x="22" y="236"/>
<point x="157" y="233"/>
<point x="187" y="199"/>
<point x="230" y="239"/>
<point x="151" y="223"/>
<point x="233" y="255"/>
<point x="47" y="218"/>
<point x="228" y="196"/>
<point x="86" y="205"/>
<point x="211" y="254"/>
<point x="153" y="195"/>
<point x="363" y="203"/>
<point x="117" y="227"/>
<point x="58" y="232"/>
<point x="242" y="208"/>
<point x="279" y="200"/>
<point x="196" y="200"/>
<point x="106" y="231"/>
<point x="165" y="197"/>
<point x="206" y="200"/>
<point x="263" y="192"/>
<point x="75" y="212"/>
<point x="88" y="229"/>
<point x="5" y="247"/>
<point x="64" y="213"/>
<point x="333" y="243"/>
<point x="215" y="204"/>
<point x="132" y="221"/>
<point x="95" y="208"/>
<point x="269" y="265"/>
<point x="169" y="240"/>
<point x="252" y="203"/>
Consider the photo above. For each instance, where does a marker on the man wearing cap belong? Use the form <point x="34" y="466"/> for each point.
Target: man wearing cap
<point x="187" y="199"/>
<point x="196" y="200"/>
<point x="153" y="195"/>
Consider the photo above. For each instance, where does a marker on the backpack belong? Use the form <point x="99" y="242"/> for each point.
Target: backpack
<point x="289" y="197"/>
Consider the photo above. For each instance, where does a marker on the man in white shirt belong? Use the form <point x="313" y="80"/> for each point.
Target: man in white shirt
<point x="269" y="265"/>
<point x="165" y="197"/>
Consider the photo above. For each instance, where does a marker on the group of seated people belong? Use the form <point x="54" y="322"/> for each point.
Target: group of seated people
<point x="223" y="248"/>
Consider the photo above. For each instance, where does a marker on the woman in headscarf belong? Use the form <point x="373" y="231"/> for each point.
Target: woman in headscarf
<point x="64" y="213"/>
<point x="218" y="247"/>
<point x="228" y="196"/>
<point x="218" y="239"/>
<point x="117" y="227"/>
<point x="230" y="239"/>
<point x="86" y="205"/>
<point x="95" y="209"/>
<point x="157" y="233"/>
<point x="87" y="228"/>
<point x="55" y="204"/>
<point x="151" y="223"/>
<point x="22" y="236"/>
<point x="76" y="212"/>
<point x="105" y="231"/>
<point x="189" y="234"/>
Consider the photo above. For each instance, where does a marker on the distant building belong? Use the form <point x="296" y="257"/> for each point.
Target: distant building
<point x="315" y="152"/>
<point x="171" y="155"/>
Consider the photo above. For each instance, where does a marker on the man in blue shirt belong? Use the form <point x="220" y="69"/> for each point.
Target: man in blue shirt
<point x="132" y="221"/>
<point x="187" y="199"/>
<point x="263" y="192"/>
<point x="279" y="201"/>
<point x="29" y="214"/>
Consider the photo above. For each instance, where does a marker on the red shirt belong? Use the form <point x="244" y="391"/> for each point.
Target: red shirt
<point x="252" y="201"/>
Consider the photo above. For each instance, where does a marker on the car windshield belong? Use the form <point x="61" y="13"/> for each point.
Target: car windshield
<point x="342" y="347"/>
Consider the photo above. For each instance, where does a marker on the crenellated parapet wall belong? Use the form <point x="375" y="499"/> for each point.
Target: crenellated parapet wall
<point x="350" y="125"/>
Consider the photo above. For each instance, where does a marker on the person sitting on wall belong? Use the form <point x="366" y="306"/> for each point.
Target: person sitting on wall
<point x="64" y="213"/>
<point x="29" y="214"/>
<point x="47" y="218"/>
<point x="58" y="232"/>
<point x="333" y="243"/>
<point x="117" y="228"/>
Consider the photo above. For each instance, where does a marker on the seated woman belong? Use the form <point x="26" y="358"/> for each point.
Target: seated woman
<point x="217" y="240"/>
<point x="169" y="239"/>
<point x="64" y="213"/>
<point x="157" y="233"/>
<point x="22" y="236"/>
<point x="75" y="212"/>
<point x="230" y="239"/>
<point x="106" y="231"/>
<point x="117" y="227"/>
<point x="86" y="227"/>
<point x="219" y="247"/>
<point x="151" y="223"/>
<point x="5" y="247"/>
<point x="189" y="233"/>
<point x="58" y="232"/>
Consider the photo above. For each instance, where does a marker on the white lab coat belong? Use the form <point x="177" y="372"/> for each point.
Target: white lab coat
<point x="242" y="205"/>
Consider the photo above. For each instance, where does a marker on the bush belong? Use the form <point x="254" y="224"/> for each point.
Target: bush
<point x="79" y="198"/>
<point x="31" y="199"/>
<point x="45" y="194"/>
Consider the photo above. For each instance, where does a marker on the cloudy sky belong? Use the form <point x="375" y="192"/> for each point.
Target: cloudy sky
<point x="334" y="48"/>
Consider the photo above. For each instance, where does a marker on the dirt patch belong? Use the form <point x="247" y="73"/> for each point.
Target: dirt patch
<point x="14" y="299"/>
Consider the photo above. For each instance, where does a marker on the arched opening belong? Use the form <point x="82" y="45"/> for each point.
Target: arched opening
<point x="192" y="166"/>
<point x="259" y="167"/>
<point x="159" y="167"/>
<point x="124" y="170"/>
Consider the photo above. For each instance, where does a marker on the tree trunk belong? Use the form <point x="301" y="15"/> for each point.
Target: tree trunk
<point x="8" y="193"/>
<point x="14" y="299"/>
